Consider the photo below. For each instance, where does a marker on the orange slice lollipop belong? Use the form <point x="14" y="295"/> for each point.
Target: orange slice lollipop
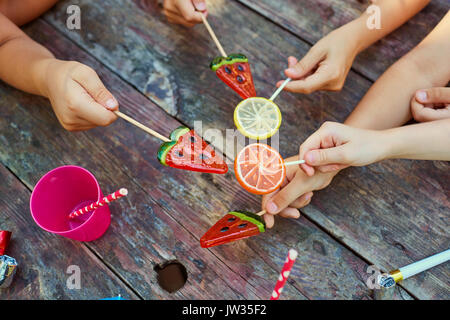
<point x="259" y="168"/>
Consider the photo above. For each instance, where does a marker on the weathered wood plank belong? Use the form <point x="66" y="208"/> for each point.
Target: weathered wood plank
<point x="134" y="51"/>
<point x="143" y="235"/>
<point x="311" y="20"/>
<point x="123" y="155"/>
<point x="43" y="258"/>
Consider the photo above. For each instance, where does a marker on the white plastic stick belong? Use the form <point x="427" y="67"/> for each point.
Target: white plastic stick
<point x="276" y="93"/>
<point x="294" y="162"/>
<point x="425" y="264"/>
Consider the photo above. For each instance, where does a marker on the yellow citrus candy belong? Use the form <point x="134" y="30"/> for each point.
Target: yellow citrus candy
<point x="257" y="118"/>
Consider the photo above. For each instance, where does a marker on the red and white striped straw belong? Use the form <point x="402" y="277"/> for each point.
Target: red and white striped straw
<point x="292" y="255"/>
<point x="113" y="196"/>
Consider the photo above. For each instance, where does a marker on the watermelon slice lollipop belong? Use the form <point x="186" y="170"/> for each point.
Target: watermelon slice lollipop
<point x="188" y="151"/>
<point x="234" y="226"/>
<point x="234" y="70"/>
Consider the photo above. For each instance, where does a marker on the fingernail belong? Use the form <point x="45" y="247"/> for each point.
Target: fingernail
<point x="290" y="70"/>
<point x="201" y="6"/>
<point x="271" y="207"/>
<point x="111" y="104"/>
<point x="308" y="196"/>
<point x="310" y="157"/>
<point x="422" y="95"/>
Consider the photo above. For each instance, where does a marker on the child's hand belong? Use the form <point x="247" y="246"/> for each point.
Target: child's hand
<point x="336" y="146"/>
<point x="431" y="104"/>
<point x="325" y="66"/>
<point x="78" y="96"/>
<point x="296" y="192"/>
<point x="184" y="12"/>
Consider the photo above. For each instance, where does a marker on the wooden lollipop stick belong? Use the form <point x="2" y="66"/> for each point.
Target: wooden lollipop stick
<point x="141" y="126"/>
<point x="261" y="213"/>
<point x="276" y="93"/>
<point x="213" y="36"/>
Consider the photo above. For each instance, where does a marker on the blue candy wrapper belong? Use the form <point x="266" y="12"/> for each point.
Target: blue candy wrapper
<point x="8" y="268"/>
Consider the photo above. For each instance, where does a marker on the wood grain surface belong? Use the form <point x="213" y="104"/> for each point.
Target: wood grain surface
<point x="387" y="214"/>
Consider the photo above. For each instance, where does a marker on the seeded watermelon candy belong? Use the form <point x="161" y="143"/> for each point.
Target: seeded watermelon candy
<point x="234" y="226"/>
<point x="178" y="132"/>
<point x="235" y="71"/>
<point x="190" y="152"/>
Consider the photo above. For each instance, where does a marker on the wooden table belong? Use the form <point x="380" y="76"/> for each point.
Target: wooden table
<point x="388" y="214"/>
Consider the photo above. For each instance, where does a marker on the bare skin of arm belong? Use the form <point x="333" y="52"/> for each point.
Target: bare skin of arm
<point x="21" y="12"/>
<point x="352" y="146"/>
<point x="77" y="95"/>
<point x="386" y="105"/>
<point x="29" y="57"/>
<point x="326" y="65"/>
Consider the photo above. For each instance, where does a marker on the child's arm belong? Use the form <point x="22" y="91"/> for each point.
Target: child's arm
<point x="387" y="103"/>
<point x="385" y="106"/>
<point x="23" y="11"/>
<point x="349" y="146"/>
<point x="22" y="60"/>
<point x="75" y="91"/>
<point x="328" y="62"/>
<point x="184" y="12"/>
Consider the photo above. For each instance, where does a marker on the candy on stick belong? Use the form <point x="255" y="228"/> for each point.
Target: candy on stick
<point x="184" y="150"/>
<point x="232" y="69"/>
<point x="8" y="265"/>
<point x="259" y="118"/>
<point x="233" y="226"/>
<point x="188" y="151"/>
<point x="260" y="169"/>
<point x="100" y="203"/>
<point x="292" y="255"/>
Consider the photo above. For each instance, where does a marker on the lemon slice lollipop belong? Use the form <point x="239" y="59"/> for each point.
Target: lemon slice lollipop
<point x="257" y="118"/>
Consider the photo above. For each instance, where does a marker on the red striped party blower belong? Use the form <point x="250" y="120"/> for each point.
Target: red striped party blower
<point x="292" y="255"/>
<point x="113" y="196"/>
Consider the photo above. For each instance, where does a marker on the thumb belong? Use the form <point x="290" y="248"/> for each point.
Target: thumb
<point x="320" y="157"/>
<point x="305" y="65"/>
<point x="200" y="5"/>
<point x="285" y="196"/>
<point x="433" y="95"/>
<point x="91" y="82"/>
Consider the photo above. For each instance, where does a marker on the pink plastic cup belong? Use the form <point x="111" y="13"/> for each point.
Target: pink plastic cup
<point x="62" y="191"/>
